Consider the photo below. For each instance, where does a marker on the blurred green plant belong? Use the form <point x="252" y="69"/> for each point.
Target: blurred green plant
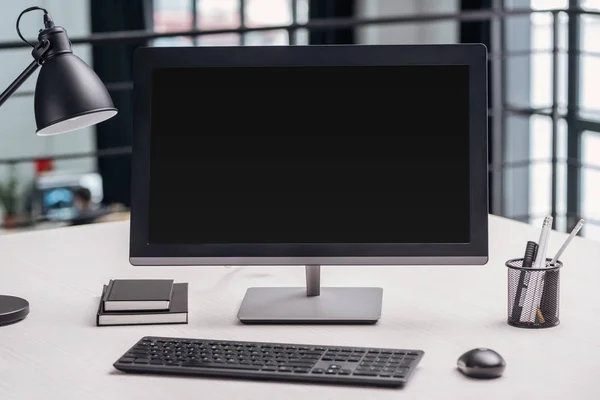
<point x="9" y="195"/>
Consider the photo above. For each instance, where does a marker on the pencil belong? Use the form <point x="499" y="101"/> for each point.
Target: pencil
<point x="540" y="316"/>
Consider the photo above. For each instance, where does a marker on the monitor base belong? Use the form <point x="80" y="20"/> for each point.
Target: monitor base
<point x="334" y="305"/>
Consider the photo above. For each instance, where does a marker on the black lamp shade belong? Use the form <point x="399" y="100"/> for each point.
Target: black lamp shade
<point x="69" y="96"/>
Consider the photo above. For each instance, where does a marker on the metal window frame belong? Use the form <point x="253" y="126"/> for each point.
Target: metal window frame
<point x="500" y="108"/>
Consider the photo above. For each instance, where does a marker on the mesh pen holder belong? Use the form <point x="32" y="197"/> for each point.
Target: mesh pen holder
<point x="533" y="295"/>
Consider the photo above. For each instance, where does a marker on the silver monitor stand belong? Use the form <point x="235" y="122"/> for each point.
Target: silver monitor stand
<point x="311" y="305"/>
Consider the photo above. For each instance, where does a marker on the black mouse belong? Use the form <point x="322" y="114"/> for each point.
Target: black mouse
<point x="481" y="363"/>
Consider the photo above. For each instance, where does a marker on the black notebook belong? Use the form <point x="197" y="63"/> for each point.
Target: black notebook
<point x="177" y="314"/>
<point x="138" y="294"/>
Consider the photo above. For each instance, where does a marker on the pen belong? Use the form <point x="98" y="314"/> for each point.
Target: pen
<point x="535" y="288"/>
<point x="530" y="253"/>
<point x="571" y="236"/>
<point x="540" y="260"/>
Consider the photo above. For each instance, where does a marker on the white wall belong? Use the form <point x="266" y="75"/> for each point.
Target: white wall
<point x="17" y="121"/>
<point x="421" y="33"/>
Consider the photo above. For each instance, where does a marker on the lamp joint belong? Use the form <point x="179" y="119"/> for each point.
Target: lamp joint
<point x="39" y="50"/>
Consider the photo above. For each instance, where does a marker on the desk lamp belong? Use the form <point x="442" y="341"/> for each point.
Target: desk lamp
<point x="68" y="96"/>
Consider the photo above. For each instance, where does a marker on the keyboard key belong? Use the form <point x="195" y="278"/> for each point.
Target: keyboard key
<point x="222" y="366"/>
<point x="298" y="365"/>
<point x="313" y="353"/>
<point x="365" y="373"/>
<point x="302" y="361"/>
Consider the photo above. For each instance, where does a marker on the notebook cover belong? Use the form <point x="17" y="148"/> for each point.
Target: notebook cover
<point x="139" y="290"/>
<point x="179" y="305"/>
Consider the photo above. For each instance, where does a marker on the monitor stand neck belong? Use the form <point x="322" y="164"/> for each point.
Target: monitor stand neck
<point x="313" y="280"/>
<point x="311" y="305"/>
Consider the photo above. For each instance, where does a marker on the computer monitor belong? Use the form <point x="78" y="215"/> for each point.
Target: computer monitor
<point x="55" y="194"/>
<point x="310" y="155"/>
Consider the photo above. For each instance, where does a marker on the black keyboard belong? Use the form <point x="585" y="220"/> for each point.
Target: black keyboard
<point x="272" y="361"/>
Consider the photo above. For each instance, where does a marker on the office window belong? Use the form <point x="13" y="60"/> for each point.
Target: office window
<point x="540" y="152"/>
<point x="590" y="96"/>
<point x="590" y="62"/>
<point x="540" y="172"/>
<point x="172" y="16"/>
<point x="218" y="14"/>
<point x="530" y="184"/>
<point x="590" y="31"/>
<point x="549" y="4"/>
<point x="540" y="127"/>
<point x="267" y="13"/>
<point x="302" y="18"/>
<point x="590" y="144"/>
<point x="590" y="82"/>
<point x="541" y="59"/>
<point x="590" y="206"/>
<point x="591" y="4"/>
<point x="590" y="177"/>
<point x="178" y="15"/>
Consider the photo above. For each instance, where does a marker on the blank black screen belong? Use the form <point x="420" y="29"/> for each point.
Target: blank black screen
<point x="309" y="155"/>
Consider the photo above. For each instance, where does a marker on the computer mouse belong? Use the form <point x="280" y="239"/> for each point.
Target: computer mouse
<point x="481" y="363"/>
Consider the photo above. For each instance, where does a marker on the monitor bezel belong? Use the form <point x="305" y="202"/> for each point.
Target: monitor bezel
<point x="146" y="59"/>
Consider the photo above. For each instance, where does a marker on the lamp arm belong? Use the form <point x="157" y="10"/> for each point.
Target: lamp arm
<point x="19" y="81"/>
<point x="38" y="53"/>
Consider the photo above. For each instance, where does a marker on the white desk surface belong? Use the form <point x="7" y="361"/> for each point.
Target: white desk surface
<point x="58" y="352"/>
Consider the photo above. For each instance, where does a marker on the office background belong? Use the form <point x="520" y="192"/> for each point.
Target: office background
<point x="544" y="104"/>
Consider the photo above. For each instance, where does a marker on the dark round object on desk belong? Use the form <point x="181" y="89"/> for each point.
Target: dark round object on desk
<point x="481" y="363"/>
<point x="12" y="309"/>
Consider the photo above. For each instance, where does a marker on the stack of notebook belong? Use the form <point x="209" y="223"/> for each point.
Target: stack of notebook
<point x="143" y="301"/>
